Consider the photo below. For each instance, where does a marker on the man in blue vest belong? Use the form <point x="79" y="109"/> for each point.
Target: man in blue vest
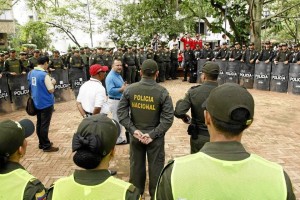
<point x="42" y="89"/>
<point x="223" y="169"/>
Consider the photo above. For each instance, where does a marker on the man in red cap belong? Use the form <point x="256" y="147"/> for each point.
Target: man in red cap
<point x="92" y="97"/>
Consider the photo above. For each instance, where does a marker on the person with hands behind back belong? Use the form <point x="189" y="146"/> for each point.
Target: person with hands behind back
<point x="94" y="147"/>
<point x="146" y="111"/>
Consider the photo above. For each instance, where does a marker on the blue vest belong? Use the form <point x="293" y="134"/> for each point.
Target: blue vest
<point x="41" y="96"/>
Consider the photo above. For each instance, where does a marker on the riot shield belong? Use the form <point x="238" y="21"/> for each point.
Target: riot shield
<point x="76" y="78"/>
<point x="5" y="105"/>
<point x="262" y="76"/>
<point x="279" y="79"/>
<point x="294" y="79"/>
<point x="233" y="72"/>
<point x="62" y="87"/>
<point x="200" y="64"/>
<point x="246" y="75"/>
<point x="222" y="74"/>
<point x="18" y="86"/>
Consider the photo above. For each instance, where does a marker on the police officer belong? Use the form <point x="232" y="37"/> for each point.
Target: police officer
<point x="167" y="63"/>
<point x="222" y="54"/>
<point x="98" y="57"/>
<point x="174" y="61"/>
<point x="159" y="58"/>
<point x="207" y="53"/>
<point x="118" y="55"/>
<point x="15" y="181"/>
<point x="1" y="64"/>
<point x="13" y="66"/>
<point x="150" y="53"/>
<point x="236" y="54"/>
<point x="146" y="111"/>
<point x="129" y="61"/>
<point x="33" y="60"/>
<point x="267" y="54"/>
<point x="56" y="61"/>
<point x="223" y="169"/>
<point x="193" y="98"/>
<point x="283" y="55"/>
<point x="189" y="62"/>
<point x="94" y="147"/>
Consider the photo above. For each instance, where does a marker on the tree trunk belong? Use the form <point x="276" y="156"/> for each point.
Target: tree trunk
<point x="255" y="8"/>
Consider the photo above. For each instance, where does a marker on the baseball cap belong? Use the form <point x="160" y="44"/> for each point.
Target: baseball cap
<point x="97" y="133"/>
<point x="12" y="50"/>
<point x="150" y="65"/>
<point x="23" y="53"/>
<point x="211" y="68"/>
<point x="36" y="51"/>
<point x="13" y="133"/>
<point x="224" y="99"/>
<point x="95" y="69"/>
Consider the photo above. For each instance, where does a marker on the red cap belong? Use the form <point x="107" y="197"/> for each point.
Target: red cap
<point x="95" y="69"/>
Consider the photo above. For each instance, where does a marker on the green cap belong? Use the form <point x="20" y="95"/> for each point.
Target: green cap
<point x="97" y="133"/>
<point x="211" y="68"/>
<point x="150" y="65"/>
<point x="12" y="50"/>
<point x="12" y="135"/>
<point x="224" y="99"/>
<point x="23" y="53"/>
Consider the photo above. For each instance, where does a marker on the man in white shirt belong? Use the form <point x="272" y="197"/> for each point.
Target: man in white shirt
<point x="92" y="97"/>
<point x="172" y="42"/>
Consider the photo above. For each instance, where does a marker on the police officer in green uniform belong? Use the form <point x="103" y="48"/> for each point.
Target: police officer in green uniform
<point x="94" y="144"/>
<point x="146" y="111"/>
<point x="13" y="66"/>
<point x="174" y="61"/>
<point x="24" y="60"/>
<point x="118" y="54"/>
<point x="283" y="55"/>
<point x="167" y="63"/>
<point x="149" y="53"/>
<point x="223" y="169"/>
<point x="56" y="61"/>
<point x="159" y="58"/>
<point x="193" y="98"/>
<point x="33" y="60"/>
<point x="130" y="62"/>
<point x="15" y="181"/>
<point x="98" y="57"/>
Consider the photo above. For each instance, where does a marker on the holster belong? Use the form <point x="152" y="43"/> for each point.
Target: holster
<point x="193" y="131"/>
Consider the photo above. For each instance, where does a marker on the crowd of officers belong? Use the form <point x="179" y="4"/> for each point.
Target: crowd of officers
<point x="166" y="57"/>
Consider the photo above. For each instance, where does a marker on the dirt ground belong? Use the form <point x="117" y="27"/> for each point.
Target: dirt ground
<point x="274" y="135"/>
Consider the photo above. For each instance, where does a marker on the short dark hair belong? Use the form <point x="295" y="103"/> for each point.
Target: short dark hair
<point x="229" y="129"/>
<point x="86" y="159"/>
<point x="42" y="60"/>
<point x="148" y="73"/>
<point x="212" y="77"/>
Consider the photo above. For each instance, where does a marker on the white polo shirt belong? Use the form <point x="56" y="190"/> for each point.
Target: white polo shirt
<point x="92" y="94"/>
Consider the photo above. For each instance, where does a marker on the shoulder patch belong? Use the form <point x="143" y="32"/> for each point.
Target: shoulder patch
<point x="131" y="188"/>
<point x="35" y="181"/>
<point x="41" y="195"/>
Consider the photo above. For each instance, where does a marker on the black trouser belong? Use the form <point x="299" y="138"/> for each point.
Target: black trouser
<point x="162" y="71"/>
<point x="197" y="144"/>
<point x="155" y="152"/>
<point x="174" y="67"/>
<point x="130" y="74"/>
<point x="168" y="70"/>
<point x="42" y="126"/>
<point x="187" y="66"/>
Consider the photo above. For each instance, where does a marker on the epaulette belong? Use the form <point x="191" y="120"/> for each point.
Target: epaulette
<point x="131" y="188"/>
<point x="195" y="86"/>
<point x="35" y="181"/>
